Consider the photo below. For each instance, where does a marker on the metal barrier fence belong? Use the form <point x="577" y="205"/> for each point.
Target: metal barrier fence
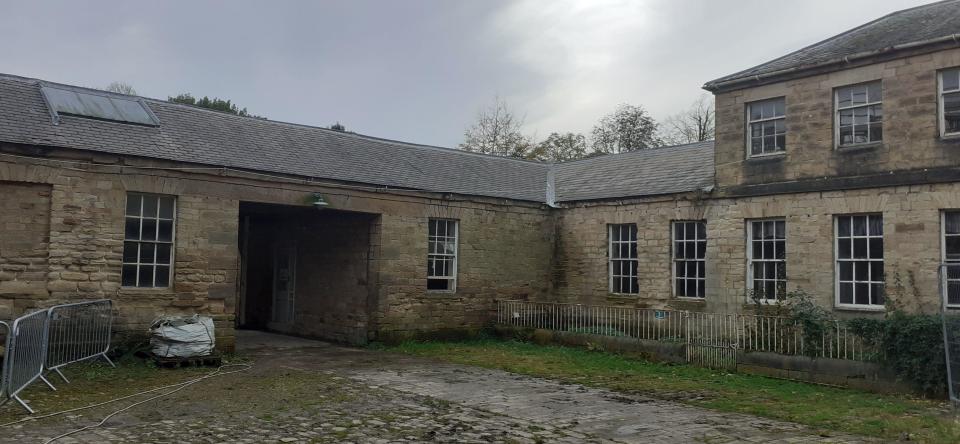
<point x="712" y="339"/>
<point x="25" y="355"/>
<point x="949" y="274"/>
<point x="6" y="346"/>
<point x="78" y="332"/>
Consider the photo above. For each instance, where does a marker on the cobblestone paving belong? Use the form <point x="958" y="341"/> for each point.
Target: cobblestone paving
<point x="308" y="392"/>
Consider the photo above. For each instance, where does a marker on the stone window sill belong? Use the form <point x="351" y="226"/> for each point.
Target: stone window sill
<point x="879" y="309"/>
<point x="767" y="158"/>
<point x="859" y="148"/>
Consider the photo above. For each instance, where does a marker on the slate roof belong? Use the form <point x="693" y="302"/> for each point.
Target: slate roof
<point x="909" y="26"/>
<point x="667" y="170"/>
<point x="201" y="136"/>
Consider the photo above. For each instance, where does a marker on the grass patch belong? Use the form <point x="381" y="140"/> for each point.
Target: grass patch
<point x="824" y="408"/>
<point x="96" y="381"/>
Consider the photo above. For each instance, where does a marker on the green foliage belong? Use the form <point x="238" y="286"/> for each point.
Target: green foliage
<point x="216" y="104"/>
<point x="813" y="320"/>
<point x="911" y="345"/>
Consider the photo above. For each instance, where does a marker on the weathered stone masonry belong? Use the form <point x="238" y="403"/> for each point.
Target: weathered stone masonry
<point x="911" y="245"/>
<point x="505" y="247"/>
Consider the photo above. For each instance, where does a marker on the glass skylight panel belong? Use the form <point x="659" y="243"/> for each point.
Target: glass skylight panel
<point x="103" y="106"/>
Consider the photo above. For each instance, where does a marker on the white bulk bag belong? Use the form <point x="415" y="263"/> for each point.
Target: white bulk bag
<point x="182" y="336"/>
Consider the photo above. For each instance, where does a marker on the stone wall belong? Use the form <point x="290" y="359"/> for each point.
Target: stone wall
<point x="911" y="245"/>
<point x="911" y="138"/>
<point x="24" y="242"/>
<point x="505" y="246"/>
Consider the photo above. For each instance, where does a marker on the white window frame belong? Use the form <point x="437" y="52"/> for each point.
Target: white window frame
<point x="836" y="115"/>
<point x="749" y="128"/>
<point x="943" y="258"/>
<point x="172" y="242"/>
<point x="941" y="116"/>
<point x="614" y="245"/>
<point x="674" y="259"/>
<point x="751" y="260"/>
<point x="837" y="261"/>
<point x="452" y="276"/>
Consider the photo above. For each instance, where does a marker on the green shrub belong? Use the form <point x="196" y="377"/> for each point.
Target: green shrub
<point x="909" y="344"/>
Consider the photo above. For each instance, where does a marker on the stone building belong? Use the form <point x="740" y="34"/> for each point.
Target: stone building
<point x="836" y="171"/>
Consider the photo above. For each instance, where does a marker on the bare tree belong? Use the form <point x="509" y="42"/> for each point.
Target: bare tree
<point x="497" y="131"/>
<point x="121" y="88"/>
<point x="560" y="147"/>
<point x="628" y="128"/>
<point x="696" y="124"/>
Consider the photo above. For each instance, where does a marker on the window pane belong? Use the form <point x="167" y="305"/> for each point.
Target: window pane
<point x="859" y="248"/>
<point x="778" y="105"/>
<point x="691" y="230"/>
<point x="877" y="293"/>
<point x="876" y="248"/>
<point x="951" y="79"/>
<point x="146" y="276"/>
<point x="858" y="94"/>
<point x="163" y="253"/>
<point x="165" y="231"/>
<point x="843" y="248"/>
<point x="768" y="109"/>
<point x="130" y="253"/>
<point x="861" y="294"/>
<point x="701" y="230"/>
<point x="843" y="97"/>
<point x="952" y="222"/>
<point x="846" y="293"/>
<point x="952" y="247"/>
<point x="860" y="225"/>
<point x="133" y="205"/>
<point x="438" y="284"/>
<point x="846" y="135"/>
<point x="432" y="230"/>
<point x="754" y="111"/>
<point x="132" y="229"/>
<point x="843" y="226"/>
<point x="701" y="249"/>
<point x="876" y="225"/>
<point x="149" y="231"/>
<point x="875" y="92"/>
<point x="781" y="250"/>
<point x="861" y="271"/>
<point x="166" y="207"/>
<point x="146" y="253"/>
<point x="846" y="271"/>
<point x="876" y="271"/>
<point x="129" y="275"/>
<point x="951" y="112"/>
<point x="149" y="206"/>
<point x="876" y="113"/>
<point x="876" y="132"/>
<point x="163" y="276"/>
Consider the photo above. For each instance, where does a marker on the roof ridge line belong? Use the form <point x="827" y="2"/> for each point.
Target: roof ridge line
<point x="735" y="75"/>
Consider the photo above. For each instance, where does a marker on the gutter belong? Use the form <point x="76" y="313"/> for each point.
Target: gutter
<point x="728" y="84"/>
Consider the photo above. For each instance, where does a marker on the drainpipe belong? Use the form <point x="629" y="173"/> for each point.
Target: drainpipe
<point x="551" y="196"/>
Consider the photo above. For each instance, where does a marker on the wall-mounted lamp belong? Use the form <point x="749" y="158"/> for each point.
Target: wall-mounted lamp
<point x="319" y="202"/>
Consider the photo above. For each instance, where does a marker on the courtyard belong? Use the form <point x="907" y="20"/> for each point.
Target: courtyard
<point x="298" y="390"/>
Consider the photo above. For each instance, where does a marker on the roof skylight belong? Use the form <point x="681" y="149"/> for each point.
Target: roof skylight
<point x="97" y="105"/>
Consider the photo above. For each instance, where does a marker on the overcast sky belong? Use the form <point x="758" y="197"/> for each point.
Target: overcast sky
<point x="418" y="70"/>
